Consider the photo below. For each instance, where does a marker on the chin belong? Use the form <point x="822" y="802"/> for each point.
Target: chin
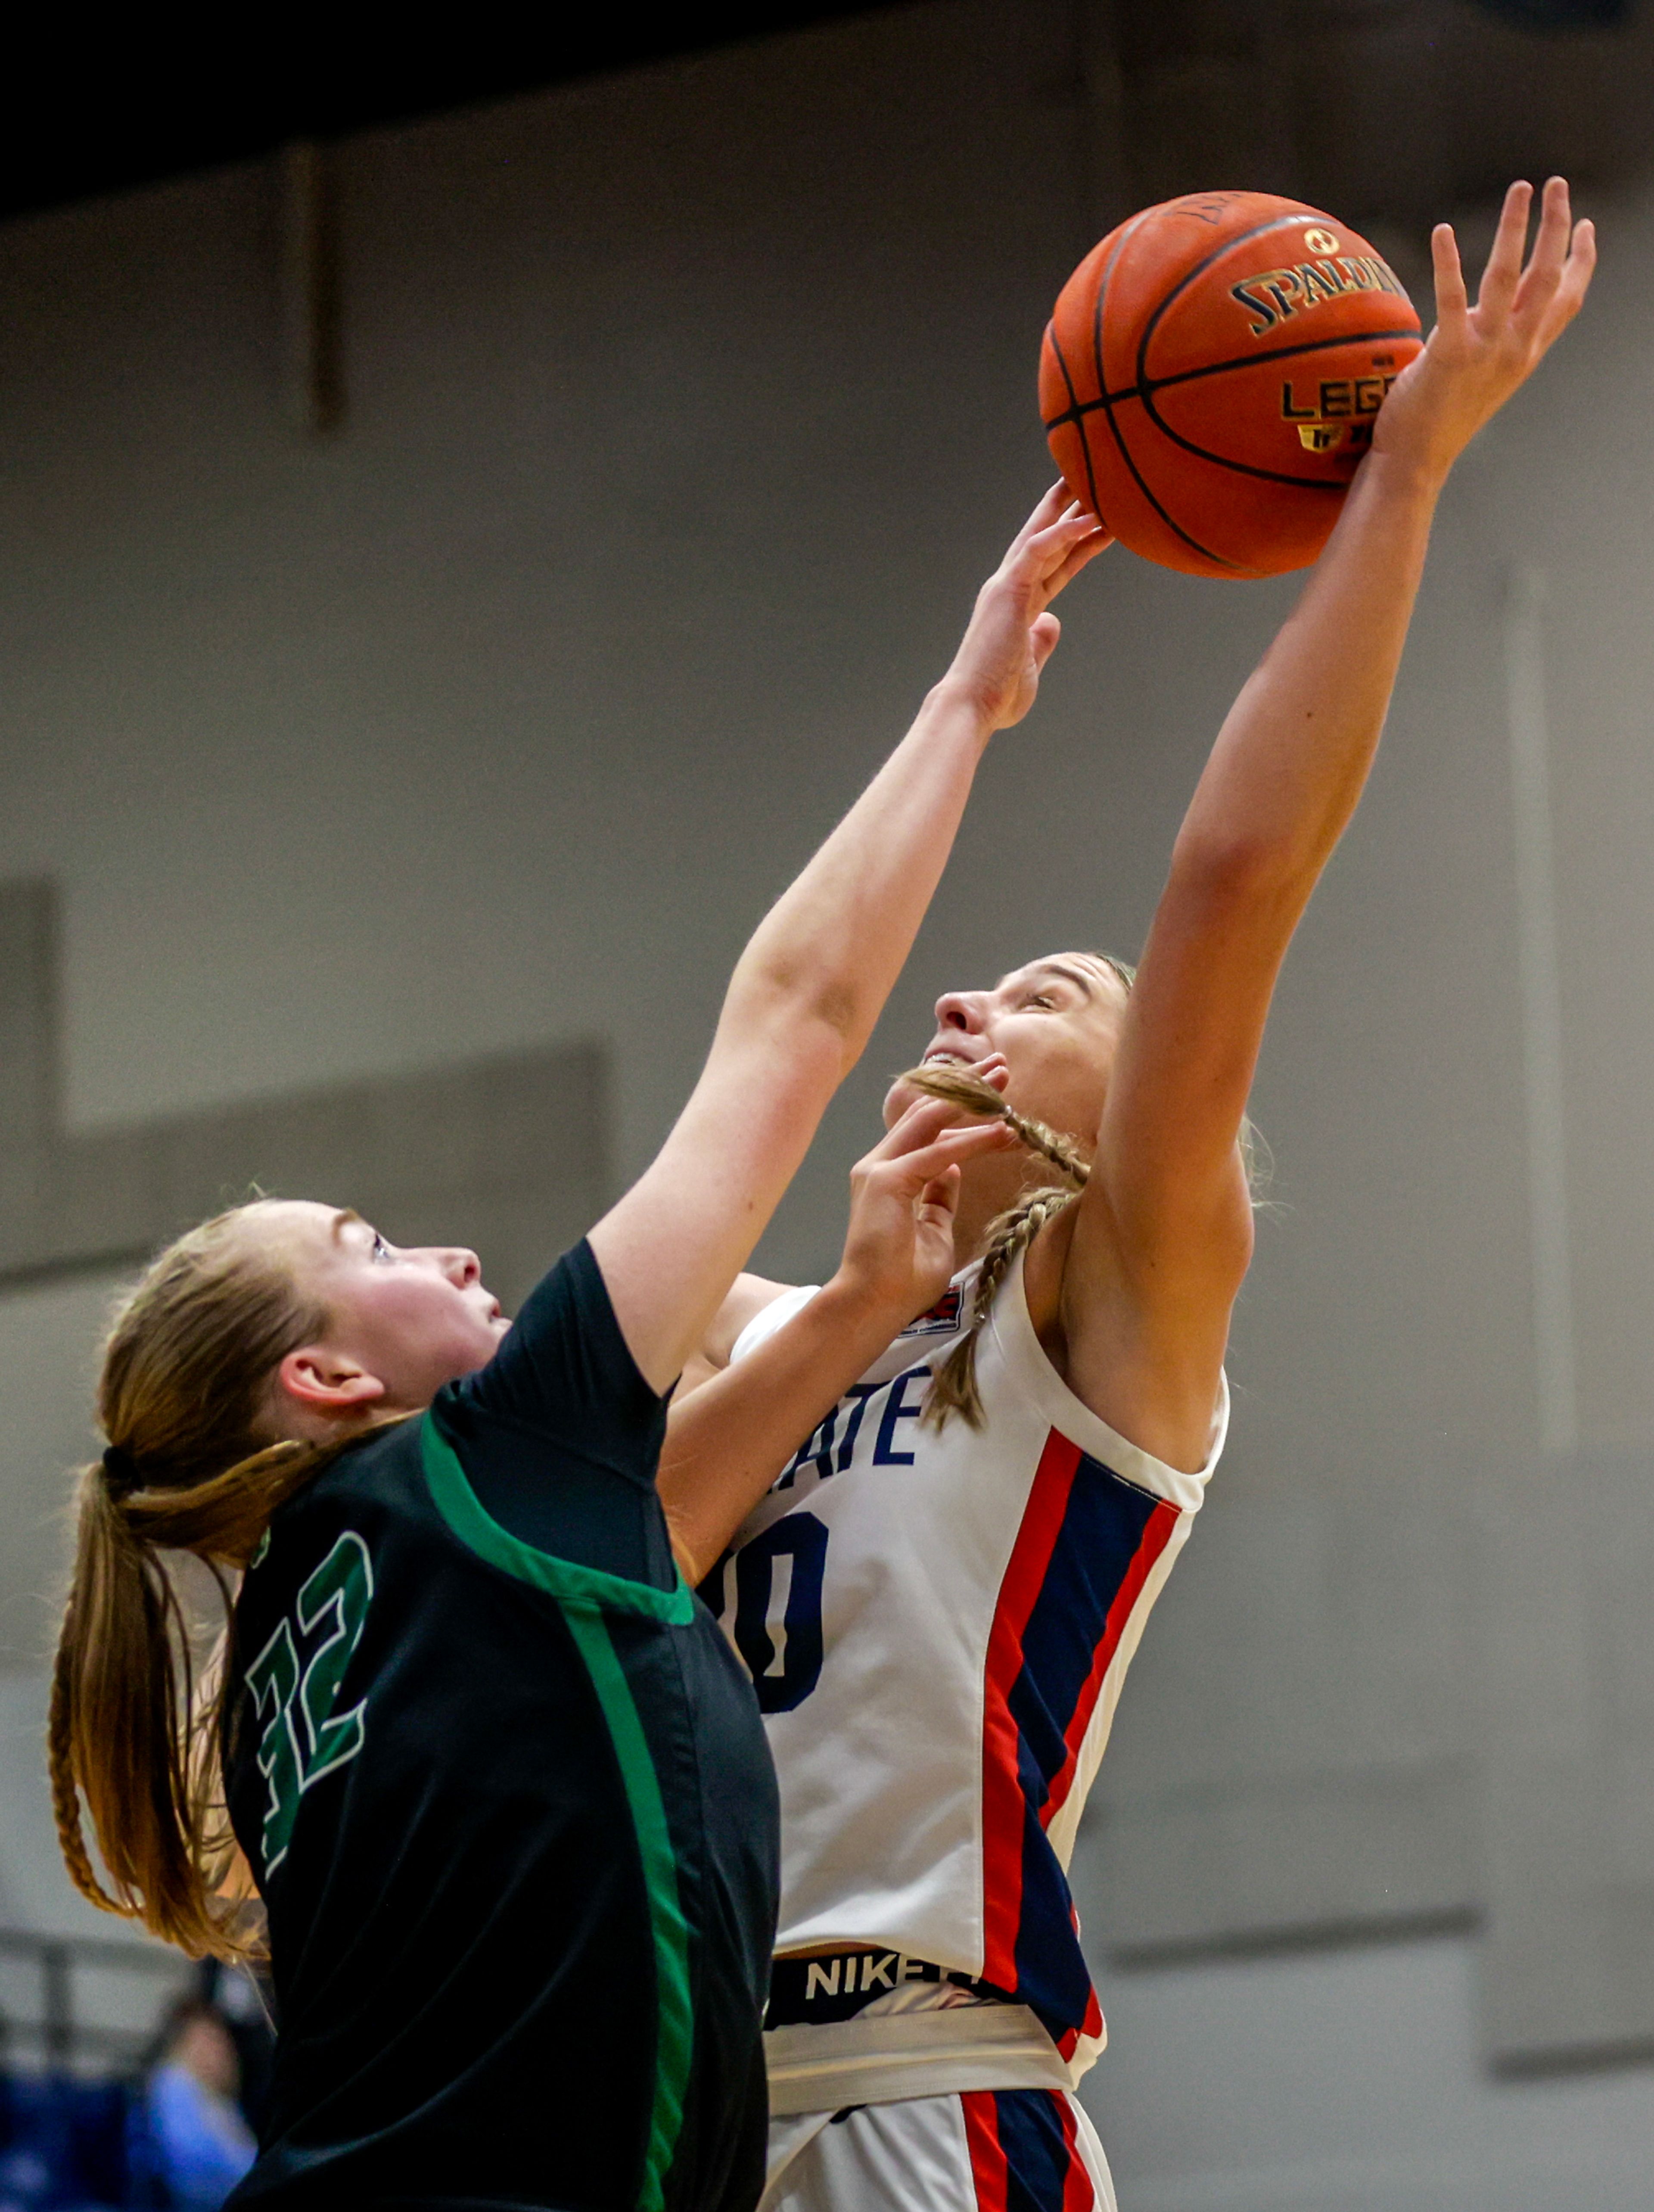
<point x="898" y="1099"/>
<point x="469" y="1360"/>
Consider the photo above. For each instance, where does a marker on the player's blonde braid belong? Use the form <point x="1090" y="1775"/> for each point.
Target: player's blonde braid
<point x="953" y="1389"/>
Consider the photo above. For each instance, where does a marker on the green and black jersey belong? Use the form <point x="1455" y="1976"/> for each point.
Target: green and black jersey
<point x="506" y="1791"/>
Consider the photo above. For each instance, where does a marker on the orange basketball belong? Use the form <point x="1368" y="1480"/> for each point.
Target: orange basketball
<point x="1211" y="373"/>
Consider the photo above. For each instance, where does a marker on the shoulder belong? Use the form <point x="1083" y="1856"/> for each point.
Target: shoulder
<point x="1022" y="1374"/>
<point x="748" y="1297"/>
<point x="565" y="1369"/>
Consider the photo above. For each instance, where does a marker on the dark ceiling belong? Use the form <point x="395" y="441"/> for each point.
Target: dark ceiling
<point x="109" y="103"/>
<point x="1391" y="111"/>
<point x="1402" y="105"/>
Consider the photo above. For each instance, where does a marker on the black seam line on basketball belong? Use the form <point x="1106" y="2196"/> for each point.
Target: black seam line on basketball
<point x="1194" y="543"/>
<point x="1240" y="468"/>
<point x="1217" y="368"/>
<point x="1176" y="528"/>
<point x="1258" y="230"/>
<point x="1102" y="284"/>
<point x="1276" y="353"/>
<point x="1084" y="442"/>
<point x="1221" y="460"/>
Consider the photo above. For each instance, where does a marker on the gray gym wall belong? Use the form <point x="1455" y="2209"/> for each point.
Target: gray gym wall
<point x="383" y="809"/>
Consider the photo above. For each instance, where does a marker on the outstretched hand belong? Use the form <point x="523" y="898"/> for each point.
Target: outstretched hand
<point x="899" y="1252"/>
<point x="1011" y="636"/>
<point x="1477" y="356"/>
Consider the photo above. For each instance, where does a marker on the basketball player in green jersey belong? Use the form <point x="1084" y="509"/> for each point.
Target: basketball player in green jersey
<point x="495" y="1777"/>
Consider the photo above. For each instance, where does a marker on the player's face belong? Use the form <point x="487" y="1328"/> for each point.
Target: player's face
<point x="416" y="1318"/>
<point x="1056" y="1026"/>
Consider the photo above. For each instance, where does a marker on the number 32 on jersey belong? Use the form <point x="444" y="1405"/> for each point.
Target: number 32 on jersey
<point x="302" y="1737"/>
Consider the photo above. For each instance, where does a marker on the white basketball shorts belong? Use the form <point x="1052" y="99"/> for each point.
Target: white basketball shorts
<point x="978" y="2150"/>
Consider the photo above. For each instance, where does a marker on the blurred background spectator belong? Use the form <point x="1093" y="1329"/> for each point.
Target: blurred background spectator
<point x="198" y="2142"/>
<point x="247" y="2014"/>
<point x="160" y="2117"/>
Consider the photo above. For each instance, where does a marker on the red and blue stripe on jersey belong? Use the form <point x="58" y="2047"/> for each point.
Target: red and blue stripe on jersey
<point x="1025" y="2157"/>
<point x="1086" y="1547"/>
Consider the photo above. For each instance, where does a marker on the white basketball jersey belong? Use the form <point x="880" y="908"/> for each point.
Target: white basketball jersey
<point x="937" y="1623"/>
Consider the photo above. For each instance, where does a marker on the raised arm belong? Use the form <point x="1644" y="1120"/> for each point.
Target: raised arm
<point x="809" y="987"/>
<point x="1158" y="1245"/>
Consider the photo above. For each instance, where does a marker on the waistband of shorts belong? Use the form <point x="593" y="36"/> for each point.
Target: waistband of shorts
<point x="838" y="1984"/>
<point x="882" y="2058"/>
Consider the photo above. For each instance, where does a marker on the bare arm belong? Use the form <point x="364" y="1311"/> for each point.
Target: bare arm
<point x="809" y="986"/>
<point x="727" y="1439"/>
<point x="1157" y="1246"/>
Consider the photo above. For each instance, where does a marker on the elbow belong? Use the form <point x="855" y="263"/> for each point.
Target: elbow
<point x="817" y="996"/>
<point x="1218" y="868"/>
<point x="692" y="1569"/>
<point x="820" y="1012"/>
<point x="686" y="1553"/>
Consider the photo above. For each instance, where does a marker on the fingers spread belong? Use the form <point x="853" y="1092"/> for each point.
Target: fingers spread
<point x="913" y="1171"/>
<point x="1452" y="302"/>
<point x="1048" y="549"/>
<point x="1050" y="509"/>
<point x="1086" y="550"/>
<point x="1570" y="294"/>
<point x="1544" y="271"/>
<point x="1504" y="270"/>
<point x="940" y="1195"/>
<point x="919" y="1125"/>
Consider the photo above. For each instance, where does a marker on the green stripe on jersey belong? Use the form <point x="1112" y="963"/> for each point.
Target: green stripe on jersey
<point x="675" y="2022"/>
<point x="585" y="1595"/>
<point x="589" y="1587"/>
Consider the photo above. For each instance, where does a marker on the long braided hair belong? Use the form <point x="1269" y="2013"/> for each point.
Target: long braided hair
<point x="134" y="1719"/>
<point x="953" y="1389"/>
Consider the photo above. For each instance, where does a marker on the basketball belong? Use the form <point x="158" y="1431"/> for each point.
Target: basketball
<point x="1211" y="375"/>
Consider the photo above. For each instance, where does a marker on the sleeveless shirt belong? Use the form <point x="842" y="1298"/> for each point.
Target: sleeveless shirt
<point x="937" y="1625"/>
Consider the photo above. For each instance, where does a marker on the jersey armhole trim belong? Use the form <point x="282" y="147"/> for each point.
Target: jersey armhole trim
<point x="1038" y="1384"/>
<point x="590" y="1588"/>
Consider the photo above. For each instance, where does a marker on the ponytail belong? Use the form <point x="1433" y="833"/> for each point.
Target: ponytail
<point x="135" y="1719"/>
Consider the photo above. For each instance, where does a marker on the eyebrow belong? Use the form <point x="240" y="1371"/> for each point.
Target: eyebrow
<point x="1077" y="976"/>
<point x="342" y="1221"/>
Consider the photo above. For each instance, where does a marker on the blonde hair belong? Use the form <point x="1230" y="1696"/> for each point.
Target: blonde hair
<point x="953" y="1387"/>
<point x="134" y="1726"/>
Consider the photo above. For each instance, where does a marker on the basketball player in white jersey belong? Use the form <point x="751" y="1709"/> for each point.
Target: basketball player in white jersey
<point x="938" y="1595"/>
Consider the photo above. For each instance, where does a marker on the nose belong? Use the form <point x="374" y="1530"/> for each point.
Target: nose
<point x="460" y="1265"/>
<point x="960" y="1010"/>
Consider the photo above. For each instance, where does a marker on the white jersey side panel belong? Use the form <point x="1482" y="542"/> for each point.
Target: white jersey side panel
<point x="937" y="1623"/>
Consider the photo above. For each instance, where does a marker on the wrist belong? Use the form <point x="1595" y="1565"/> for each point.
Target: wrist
<point x="1405" y="475"/>
<point x="869" y="1312"/>
<point x="958" y="706"/>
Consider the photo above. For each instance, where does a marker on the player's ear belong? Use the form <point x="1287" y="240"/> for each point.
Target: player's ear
<point x="325" y="1382"/>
